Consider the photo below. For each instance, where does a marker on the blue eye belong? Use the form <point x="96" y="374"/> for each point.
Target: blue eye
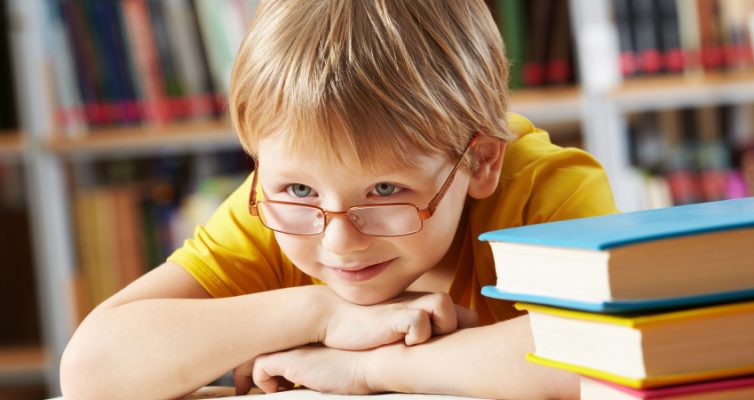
<point x="385" y="189"/>
<point x="298" y="190"/>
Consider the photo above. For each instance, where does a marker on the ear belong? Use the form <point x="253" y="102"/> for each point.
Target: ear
<point x="489" y="153"/>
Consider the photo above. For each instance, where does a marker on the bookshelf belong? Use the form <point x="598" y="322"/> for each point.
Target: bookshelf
<point x="205" y="135"/>
<point x="676" y="91"/>
<point x="22" y="365"/>
<point x="599" y="105"/>
<point x="548" y="105"/>
<point x="11" y="145"/>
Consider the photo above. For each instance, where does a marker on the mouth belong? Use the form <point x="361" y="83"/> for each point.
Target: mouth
<point x="361" y="274"/>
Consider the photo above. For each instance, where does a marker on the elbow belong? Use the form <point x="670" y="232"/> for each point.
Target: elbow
<point x="76" y="373"/>
<point x="84" y="369"/>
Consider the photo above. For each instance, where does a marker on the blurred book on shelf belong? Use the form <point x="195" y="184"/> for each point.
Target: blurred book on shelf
<point x="8" y="112"/>
<point x="130" y="214"/>
<point x="694" y="155"/>
<point x="538" y="41"/>
<point x="677" y="36"/>
<point x="141" y="62"/>
<point x="18" y="300"/>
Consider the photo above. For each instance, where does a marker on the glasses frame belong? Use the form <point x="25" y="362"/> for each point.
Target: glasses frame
<point x="423" y="214"/>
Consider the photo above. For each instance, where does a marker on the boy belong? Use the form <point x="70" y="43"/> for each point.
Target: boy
<point x="379" y="129"/>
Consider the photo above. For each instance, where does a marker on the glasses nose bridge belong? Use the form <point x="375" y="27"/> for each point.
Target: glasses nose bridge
<point x="329" y="214"/>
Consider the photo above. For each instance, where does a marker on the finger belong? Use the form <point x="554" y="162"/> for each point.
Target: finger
<point x="242" y="378"/>
<point x="467" y="318"/>
<point x="265" y="372"/>
<point x="416" y="326"/>
<point x="441" y="310"/>
<point x="284" y="384"/>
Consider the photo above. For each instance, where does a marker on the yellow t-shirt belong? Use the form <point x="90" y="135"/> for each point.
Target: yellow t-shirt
<point x="234" y="254"/>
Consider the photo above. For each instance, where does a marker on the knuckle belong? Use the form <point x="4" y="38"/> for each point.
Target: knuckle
<point x="441" y="300"/>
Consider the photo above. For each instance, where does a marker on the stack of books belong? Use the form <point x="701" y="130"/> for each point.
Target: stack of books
<point x="649" y="304"/>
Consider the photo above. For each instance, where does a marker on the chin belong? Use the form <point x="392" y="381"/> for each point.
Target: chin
<point x="364" y="297"/>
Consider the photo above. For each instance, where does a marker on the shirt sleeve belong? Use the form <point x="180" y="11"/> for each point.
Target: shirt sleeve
<point x="234" y="254"/>
<point x="570" y="184"/>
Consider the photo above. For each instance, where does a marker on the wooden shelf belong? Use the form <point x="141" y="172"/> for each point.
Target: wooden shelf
<point x="11" y="144"/>
<point x="676" y="91"/>
<point x="545" y="105"/>
<point x="23" y="364"/>
<point x="143" y="140"/>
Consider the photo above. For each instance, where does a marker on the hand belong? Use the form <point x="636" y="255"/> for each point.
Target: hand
<point x="411" y="317"/>
<point x="315" y="367"/>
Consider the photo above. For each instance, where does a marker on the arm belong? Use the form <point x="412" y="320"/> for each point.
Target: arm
<point x="481" y="362"/>
<point x="485" y="362"/>
<point x="163" y="336"/>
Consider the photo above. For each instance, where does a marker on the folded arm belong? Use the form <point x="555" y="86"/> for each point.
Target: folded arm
<point x="486" y="362"/>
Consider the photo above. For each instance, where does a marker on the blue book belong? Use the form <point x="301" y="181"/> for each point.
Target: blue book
<point x="664" y="258"/>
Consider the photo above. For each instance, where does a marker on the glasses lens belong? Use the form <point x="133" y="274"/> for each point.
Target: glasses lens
<point x="386" y="220"/>
<point x="291" y="218"/>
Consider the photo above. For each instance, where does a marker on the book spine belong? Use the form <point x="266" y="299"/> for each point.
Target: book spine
<point x="8" y="112"/>
<point x="142" y="46"/>
<point x="559" y="65"/>
<point x="115" y="86"/>
<point x="125" y="73"/>
<point x="674" y="60"/>
<point x="85" y="76"/>
<point x="737" y="51"/>
<point x="540" y="23"/>
<point x="213" y="93"/>
<point x="68" y="110"/>
<point x="185" y="43"/>
<point x="174" y="85"/>
<point x="646" y="36"/>
<point x="712" y="55"/>
<point x="512" y="25"/>
<point x="629" y="63"/>
<point x="688" y="23"/>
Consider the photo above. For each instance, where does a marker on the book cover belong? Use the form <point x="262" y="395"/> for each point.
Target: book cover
<point x="618" y="306"/>
<point x="720" y="387"/>
<point x="641" y="383"/>
<point x="611" y="231"/>
<point x="646" y="350"/>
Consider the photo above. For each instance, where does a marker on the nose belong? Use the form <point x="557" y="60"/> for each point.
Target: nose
<point x="341" y="237"/>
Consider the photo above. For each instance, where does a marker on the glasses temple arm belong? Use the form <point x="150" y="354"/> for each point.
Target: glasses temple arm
<point x="253" y="192"/>
<point x="432" y="206"/>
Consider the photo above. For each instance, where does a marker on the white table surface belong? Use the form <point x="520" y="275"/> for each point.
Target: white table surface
<point x="223" y="392"/>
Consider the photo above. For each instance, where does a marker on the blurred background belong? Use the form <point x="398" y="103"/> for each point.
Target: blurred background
<point x="115" y="141"/>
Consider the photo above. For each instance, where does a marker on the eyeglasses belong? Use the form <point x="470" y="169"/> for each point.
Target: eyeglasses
<point x="384" y="220"/>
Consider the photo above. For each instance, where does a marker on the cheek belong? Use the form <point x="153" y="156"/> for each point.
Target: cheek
<point x="298" y="249"/>
<point x="433" y="241"/>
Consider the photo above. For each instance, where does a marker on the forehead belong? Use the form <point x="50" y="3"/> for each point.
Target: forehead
<point x="278" y="154"/>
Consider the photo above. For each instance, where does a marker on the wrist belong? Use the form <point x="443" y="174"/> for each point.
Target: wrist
<point x="383" y="369"/>
<point x="322" y="299"/>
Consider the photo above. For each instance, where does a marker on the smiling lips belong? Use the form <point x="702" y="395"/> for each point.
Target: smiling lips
<point x="361" y="274"/>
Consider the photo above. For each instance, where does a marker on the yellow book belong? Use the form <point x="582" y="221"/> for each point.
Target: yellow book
<point x="648" y="350"/>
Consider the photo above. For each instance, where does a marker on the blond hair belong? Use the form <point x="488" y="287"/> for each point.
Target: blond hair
<point x="380" y="78"/>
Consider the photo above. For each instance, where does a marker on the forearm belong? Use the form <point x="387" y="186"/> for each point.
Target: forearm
<point x="161" y="348"/>
<point x="483" y="362"/>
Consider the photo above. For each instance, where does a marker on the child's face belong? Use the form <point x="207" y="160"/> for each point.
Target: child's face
<point x="386" y="265"/>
